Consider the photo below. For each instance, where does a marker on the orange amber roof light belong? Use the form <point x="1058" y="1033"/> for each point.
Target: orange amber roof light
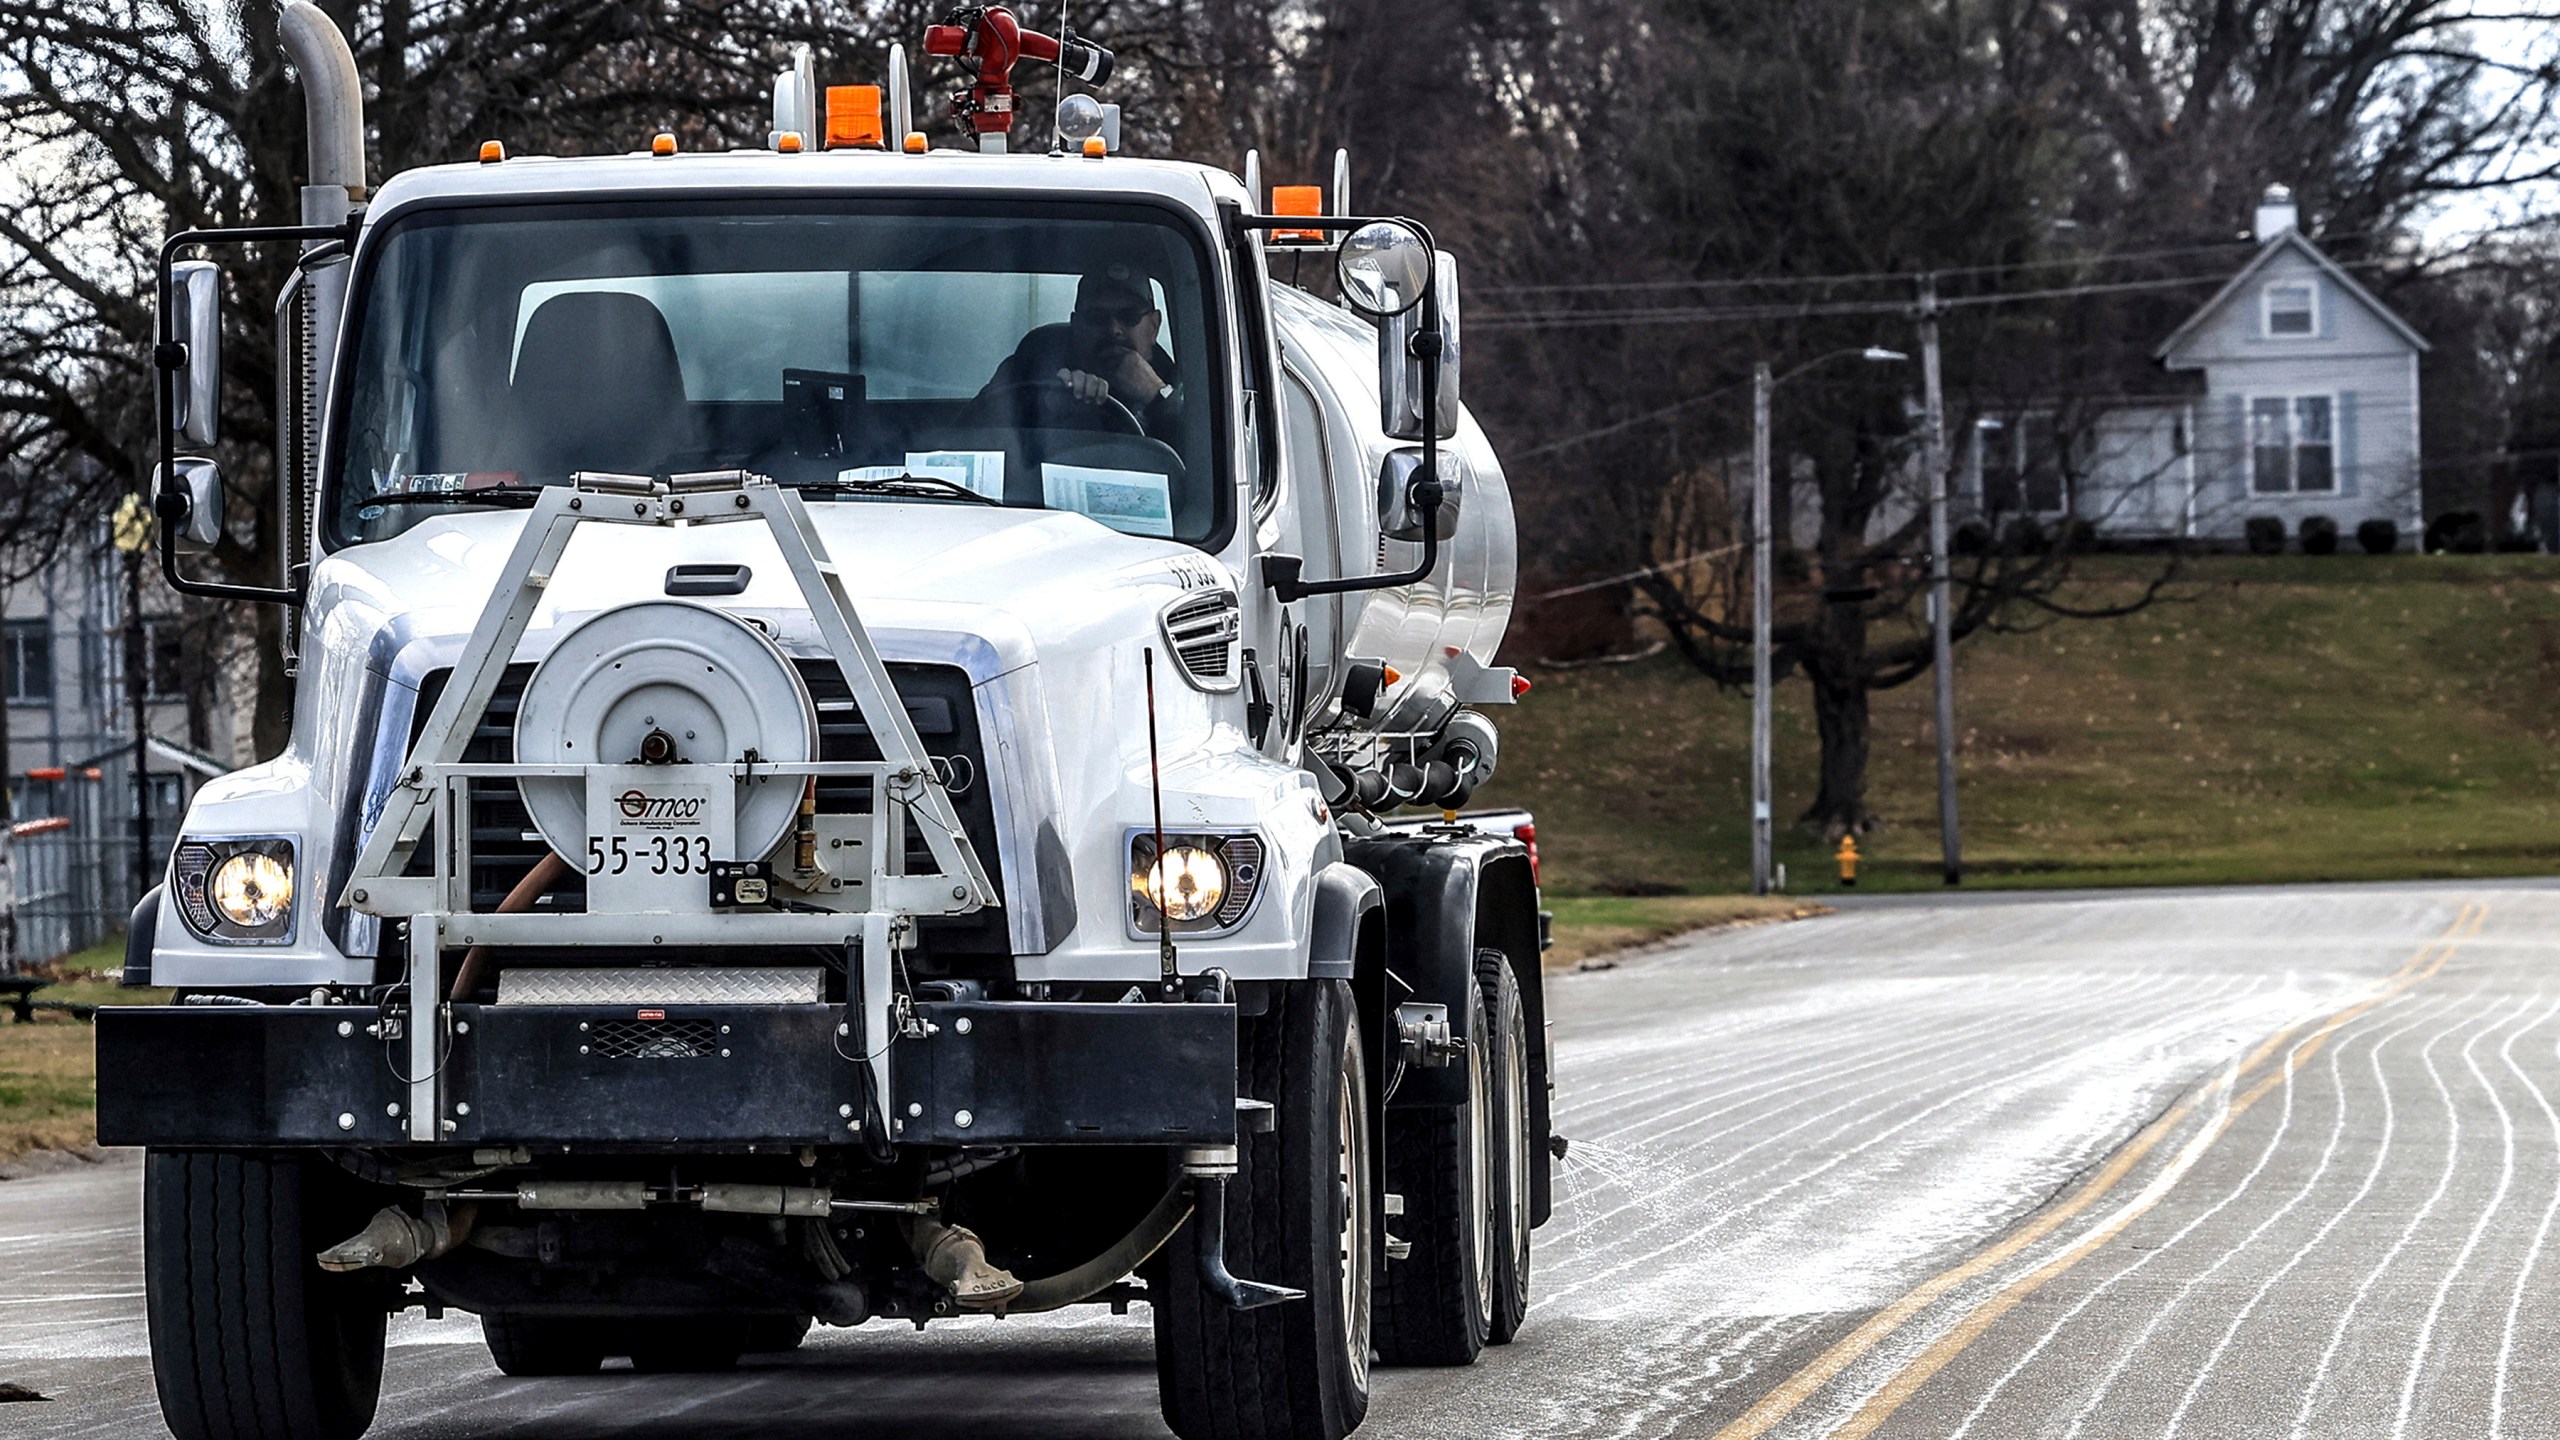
<point x="1297" y="200"/>
<point x="492" y="151"/>
<point x="663" y="143"/>
<point x="853" y="118"/>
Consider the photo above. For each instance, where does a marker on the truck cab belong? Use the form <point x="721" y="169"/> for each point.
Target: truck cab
<point x="849" y="699"/>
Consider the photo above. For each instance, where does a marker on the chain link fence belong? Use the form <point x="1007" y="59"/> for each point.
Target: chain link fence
<point x="74" y="886"/>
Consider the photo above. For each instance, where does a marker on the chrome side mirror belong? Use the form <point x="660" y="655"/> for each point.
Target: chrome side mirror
<point x="195" y="299"/>
<point x="1399" y="518"/>
<point x="1382" y="267"/>
<point x="197" y="486"/>
<point x="1400" y="368"/>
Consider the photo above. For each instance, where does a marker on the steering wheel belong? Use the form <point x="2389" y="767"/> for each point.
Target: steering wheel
<point x="1054" y="406"/>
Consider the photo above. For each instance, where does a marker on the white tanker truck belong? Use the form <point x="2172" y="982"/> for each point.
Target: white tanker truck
<point x="846" y="701"/>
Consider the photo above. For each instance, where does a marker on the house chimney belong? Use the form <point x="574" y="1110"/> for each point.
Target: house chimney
<point x="2276" y="214"/>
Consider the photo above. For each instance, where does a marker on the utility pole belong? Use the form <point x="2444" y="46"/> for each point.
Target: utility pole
<point x="133" y="523"/>
<point x="1941" y="619"/>
<point x="1761" y="385"/>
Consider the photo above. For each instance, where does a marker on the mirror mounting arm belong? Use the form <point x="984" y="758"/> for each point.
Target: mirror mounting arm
<point x="1280" y="572"/>
<point x="168" y="355"/>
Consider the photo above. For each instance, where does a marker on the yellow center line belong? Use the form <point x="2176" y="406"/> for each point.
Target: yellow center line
<point x="1785" y="1398"/>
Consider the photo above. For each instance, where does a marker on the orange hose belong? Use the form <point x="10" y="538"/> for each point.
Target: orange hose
<point x="546" y="873"/>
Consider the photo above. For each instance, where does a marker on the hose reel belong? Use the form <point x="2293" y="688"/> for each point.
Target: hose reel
<point x="665" y="683"/>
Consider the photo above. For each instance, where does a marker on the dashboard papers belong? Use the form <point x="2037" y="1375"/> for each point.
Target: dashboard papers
<point x="978" y="471"/>
<point x="1134" y="502"/>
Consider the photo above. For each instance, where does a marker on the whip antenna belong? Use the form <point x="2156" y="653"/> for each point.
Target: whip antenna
<point x="1058" y="146"/>
<point x="1156" y="875"/>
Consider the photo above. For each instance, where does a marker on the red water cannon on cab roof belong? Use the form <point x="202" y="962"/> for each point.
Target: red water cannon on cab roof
<point x="987" y="40"/>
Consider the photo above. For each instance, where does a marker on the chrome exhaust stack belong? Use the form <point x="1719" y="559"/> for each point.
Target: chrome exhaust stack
<point x="333" y="111"/>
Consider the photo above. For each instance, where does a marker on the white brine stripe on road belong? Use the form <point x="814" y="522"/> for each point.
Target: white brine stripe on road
<point x="1781" y="1135"/>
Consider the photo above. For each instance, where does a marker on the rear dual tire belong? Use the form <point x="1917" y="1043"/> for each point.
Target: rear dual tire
<point x="532" y="1346"/>
<point x="1463" y="1171"/>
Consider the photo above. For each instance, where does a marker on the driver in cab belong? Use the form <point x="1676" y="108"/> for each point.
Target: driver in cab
<point x="1105" y="352"/>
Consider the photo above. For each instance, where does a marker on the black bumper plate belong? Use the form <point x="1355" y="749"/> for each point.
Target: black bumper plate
<point x="1016" y="1072"/>
<point x="989" y="1073"/>
<point x="248" y="1076"/>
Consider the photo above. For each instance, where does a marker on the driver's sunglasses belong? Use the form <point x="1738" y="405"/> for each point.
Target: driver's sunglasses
<point x="1127" y="316"/>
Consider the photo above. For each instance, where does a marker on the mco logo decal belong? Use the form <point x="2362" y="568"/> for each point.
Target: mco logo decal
<point x="640" y="805"/>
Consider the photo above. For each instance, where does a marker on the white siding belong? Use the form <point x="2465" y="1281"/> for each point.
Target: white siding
<point x="2355" y="356"/>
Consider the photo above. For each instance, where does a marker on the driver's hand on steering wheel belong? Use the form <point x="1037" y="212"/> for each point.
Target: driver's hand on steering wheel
<point x="1132" y="379"/>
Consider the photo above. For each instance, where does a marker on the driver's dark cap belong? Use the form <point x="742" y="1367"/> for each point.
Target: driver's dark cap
<point x="1114" y="287"/>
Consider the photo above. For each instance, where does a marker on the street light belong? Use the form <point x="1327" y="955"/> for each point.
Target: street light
<point x="1762" y="386"/>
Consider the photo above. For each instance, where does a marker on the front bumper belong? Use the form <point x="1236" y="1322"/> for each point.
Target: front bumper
<point x="668" y="1077"/>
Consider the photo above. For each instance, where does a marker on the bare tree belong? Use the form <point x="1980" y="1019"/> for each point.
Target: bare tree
<point x="129" y="119"/>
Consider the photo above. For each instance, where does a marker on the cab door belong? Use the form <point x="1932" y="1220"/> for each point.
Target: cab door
<point x="1295" y="645"/>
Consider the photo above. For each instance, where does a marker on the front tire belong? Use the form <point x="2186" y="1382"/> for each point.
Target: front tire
<point x="250" y="1338"/>
<point x="1300" y="1212"/>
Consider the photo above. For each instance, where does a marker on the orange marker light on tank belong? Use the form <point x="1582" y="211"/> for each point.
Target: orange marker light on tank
<point x="788" y="143"/>
<point x="491" y="152"/>
<point x="663" y="143"/>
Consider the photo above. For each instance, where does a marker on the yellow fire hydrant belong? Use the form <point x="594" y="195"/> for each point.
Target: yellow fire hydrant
<point x="1848" y="858"/>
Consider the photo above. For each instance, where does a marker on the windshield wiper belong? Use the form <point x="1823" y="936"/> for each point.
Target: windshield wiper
<point x="516" y="496"/>
<point x="931" y="487"/>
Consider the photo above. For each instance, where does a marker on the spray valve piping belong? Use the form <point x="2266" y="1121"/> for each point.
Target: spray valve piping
<point x="988" y="41"/>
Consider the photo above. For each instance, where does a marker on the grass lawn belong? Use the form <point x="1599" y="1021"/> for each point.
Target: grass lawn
<point x="49" y="1067"/>
<point x="2282" y="719"/>
<point x="1591" y="925"/>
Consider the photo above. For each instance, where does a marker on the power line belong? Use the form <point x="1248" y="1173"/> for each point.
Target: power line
<point x="1864" y="277"/>
<point x="1708" y="315"/>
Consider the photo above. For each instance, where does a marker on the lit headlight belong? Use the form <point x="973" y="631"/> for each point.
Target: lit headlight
<point x="1187" y="884"/>
<point x="252" y="890"/>
<point x="1204" y="885"/>
<point x="236" y="891"/>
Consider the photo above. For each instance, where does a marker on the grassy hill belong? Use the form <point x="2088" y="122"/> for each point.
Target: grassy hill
<point x="2281" y="719"/>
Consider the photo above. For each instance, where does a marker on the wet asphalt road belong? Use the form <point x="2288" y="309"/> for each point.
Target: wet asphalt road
<point x="2256" y="1163"/>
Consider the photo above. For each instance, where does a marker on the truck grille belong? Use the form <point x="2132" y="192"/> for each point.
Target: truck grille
<point x="505" y="846"/>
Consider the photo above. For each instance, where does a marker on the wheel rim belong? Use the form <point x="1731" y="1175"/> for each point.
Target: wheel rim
<point x="1481" y="1120"/>
<point x="1352" y="1174"/>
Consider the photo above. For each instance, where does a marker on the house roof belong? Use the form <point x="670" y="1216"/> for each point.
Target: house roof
<point x="2290" y="240"/>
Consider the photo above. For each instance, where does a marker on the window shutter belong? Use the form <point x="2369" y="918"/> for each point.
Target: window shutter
<point x="2350" y="482"/>
<point x="2233" y="441"/>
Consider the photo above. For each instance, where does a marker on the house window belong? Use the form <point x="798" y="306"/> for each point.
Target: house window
<point x="2293" y="444"/>
<point x="164" y="643"/>
<point x="2290" y="309"/>
<point x="26" y="663"/>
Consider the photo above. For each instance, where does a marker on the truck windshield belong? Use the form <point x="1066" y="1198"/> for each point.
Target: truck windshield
<point x="1061" y="358"/>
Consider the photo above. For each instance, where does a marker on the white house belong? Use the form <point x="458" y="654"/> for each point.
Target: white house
<point x="2302" y="400"/>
